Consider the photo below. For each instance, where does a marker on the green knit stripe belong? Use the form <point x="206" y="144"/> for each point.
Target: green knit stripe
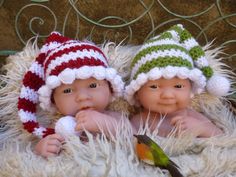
<point x="163" y="62"/>
<point x="151" y="49"/>
<point x="196" y="52"/>
<point x="185" y="35"/>
<point x="165" y="35"/>
<point x="177" y="28"/>
<point x="207" y="71"/>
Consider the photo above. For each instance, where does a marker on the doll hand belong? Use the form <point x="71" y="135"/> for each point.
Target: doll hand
<point x="183" y="123"/>
<point x="92" y="121"/>
<point x="49" y="146"/>
<point x="65" y="126"/>
<point x="199" y="126"/>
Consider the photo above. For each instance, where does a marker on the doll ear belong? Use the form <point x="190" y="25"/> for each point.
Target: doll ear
<point x="191" y="95"/>
<point x="136" y="97"/>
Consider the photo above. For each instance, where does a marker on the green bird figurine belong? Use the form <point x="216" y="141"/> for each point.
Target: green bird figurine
<point x="151" y="153"/>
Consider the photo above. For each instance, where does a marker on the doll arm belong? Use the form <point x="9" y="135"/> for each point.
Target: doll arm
<point x="49" y="146"/>
<point x="196" y="123"/>
<point x="135" y="122"/>
<point x="96" y="122"/>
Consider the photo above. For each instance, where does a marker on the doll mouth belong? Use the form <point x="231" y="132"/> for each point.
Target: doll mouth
<point x="86" y="108"/>
<point x="167" y="103"/>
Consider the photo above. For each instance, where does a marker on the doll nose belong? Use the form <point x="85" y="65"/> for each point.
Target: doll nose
<point x="167" y="93"/>
<point x="82" y="95"/>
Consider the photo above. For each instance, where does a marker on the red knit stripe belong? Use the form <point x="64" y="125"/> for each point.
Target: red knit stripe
<point x="26" y="105"/>
<point x="32" y="81"/>
<point x="48" y="131"/>
<point x="30" y="126"/>
<point x="71" y="49"/>
<point x="41" y="58"/>
<point x="76" y="64"/>
<point x="55" y="37"/>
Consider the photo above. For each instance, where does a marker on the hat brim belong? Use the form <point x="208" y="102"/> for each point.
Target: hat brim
<point x="195" y="75"/>
<point x="68" y="76"/>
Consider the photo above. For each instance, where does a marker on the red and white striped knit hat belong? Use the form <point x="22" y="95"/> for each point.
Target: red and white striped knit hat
<point x="61" y="60"/>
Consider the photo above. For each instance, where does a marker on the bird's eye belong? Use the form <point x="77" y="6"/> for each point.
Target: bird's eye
<point x="178" y="86"/>
<point x="93" y="85"/>
<point x="68" y="90"/>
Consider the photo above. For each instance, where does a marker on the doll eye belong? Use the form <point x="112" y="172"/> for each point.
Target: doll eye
<point x="153" y="86"/>
<point x="68" y="90"/>
<point x="178" y="86"/>
<point x="93" y="85"/>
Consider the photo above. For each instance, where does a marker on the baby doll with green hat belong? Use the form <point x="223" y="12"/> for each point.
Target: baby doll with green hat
<point x="165" y="74"/>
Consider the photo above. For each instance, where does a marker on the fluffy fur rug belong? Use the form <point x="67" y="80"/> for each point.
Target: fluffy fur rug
<point x="99" y="157"/>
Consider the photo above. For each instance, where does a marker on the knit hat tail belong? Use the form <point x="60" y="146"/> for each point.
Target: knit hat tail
<point x="32" y="81"/>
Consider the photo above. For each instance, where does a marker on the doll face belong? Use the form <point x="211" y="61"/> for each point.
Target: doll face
<point x="82" y="94"/>
<point x="165" y="95"/>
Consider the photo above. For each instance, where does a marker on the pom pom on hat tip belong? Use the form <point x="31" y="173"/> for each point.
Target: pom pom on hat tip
<point x="65" y="126"/>
<point x="218" y="85"/>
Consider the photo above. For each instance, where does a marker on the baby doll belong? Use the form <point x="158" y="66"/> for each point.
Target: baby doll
<point x="74" y="79"/>
<point x="165" y="74"/>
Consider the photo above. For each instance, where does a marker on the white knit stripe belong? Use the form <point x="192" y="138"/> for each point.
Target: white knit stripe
<point x="65" y="58"/>
<point x="29" y="94"/>
<point x="181" y="26"/>
<point x="152" y="55"/>
<point x="26" y="116"/>
<point x="37" y="69"/>
<point x="39" y="131"/>
<point x="175" y="35"/>
<point x="190" y="43"/>
<point x="61" y="47"/>
<point x="155" y="37"/>
<point x="159" y="43"/>
<point x="201" y="62"/>
<point x="49" y="46"/>
<point x="66" y="45"/>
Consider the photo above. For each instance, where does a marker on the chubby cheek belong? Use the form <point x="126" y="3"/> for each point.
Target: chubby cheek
<point x="65" y="106"/>
<point x="69" y="110"/>
<point x="103" y="100"/>
<point x="184" y="101"/>
<point x="145" y="99"/>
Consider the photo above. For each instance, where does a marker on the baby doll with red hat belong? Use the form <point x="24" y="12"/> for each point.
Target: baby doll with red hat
<point x="73" y="78"/>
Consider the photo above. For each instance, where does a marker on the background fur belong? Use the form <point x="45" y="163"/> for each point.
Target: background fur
<point x="116" y="157"/>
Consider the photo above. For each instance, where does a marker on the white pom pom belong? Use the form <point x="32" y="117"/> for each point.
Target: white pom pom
<point x="65" y="126"/>
<point x="84" y="72"/>
<point x="67" y="76"/>
<point x="218" y="85"/>
<point x="141" y="79"/>
<point x="154" y="74"/>
<point x="53" y="82"/>
<point x="99" y="73"/>
<point x="169" y="72"/>
<point x="110" y="73"/>
<point x="45" y="91"/>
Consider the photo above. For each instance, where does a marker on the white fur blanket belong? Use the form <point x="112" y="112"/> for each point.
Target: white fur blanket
<point x="99" y="157"/>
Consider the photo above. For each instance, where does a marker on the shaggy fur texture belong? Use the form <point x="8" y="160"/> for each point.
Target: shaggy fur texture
<point x="116" y="157"/>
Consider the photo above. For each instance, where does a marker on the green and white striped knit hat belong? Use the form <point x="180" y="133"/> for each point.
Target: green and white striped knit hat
<point x="174" y="53"/>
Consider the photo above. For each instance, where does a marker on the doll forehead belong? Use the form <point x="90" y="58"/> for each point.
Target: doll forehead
<point x="85" y="82"/>
<point x="168" y="81"/>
